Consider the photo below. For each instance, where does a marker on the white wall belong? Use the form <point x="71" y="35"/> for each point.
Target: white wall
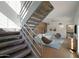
<point x="76" y="21"/>
<point x="9" y="12"/>
<point x="78" y="40"/>
<point x="54" y="23"/>
<point x="59" y="29"/>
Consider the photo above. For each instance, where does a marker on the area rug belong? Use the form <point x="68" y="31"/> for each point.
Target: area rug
<point x="56" y="43"/>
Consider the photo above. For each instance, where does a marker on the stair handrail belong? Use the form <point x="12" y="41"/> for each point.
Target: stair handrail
<point x="31" y="29"/>
<point x="32" y="32"/>
<point x="22" y="8"/>
<point x="22" y="13"/>
<point x="26" y="8"/>
<point x="32" y="37"/>
<point x="32" y="43"/>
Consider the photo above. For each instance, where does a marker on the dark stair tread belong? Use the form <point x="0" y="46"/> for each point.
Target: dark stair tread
<point x="29" y="25"/>
<point x="31" y="55"/>
<point x="21" y="54"/>
<point x="10" y="43"/>
<point x="32" y="23"/>
<point x="12" y="49"/>
<point x="9" y="38"/>
<point x="8" y="33"/>
<point x="35" y="19"/>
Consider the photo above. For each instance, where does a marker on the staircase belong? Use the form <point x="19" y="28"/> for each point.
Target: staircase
<point x="21" y="44"/>
<point x="42" y="9"/>
<point x="13" y="46"/>
<point x="39" y="14"/>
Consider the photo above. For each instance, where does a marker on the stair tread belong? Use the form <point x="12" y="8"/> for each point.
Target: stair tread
<point x="8" y="33"/>
<point x="21" y="53"/>
<point x="35" y="19"/>
<point x="31" y="55"/>
<point x="12" y="49"/>
<point x="32" y="23"/>
<point x="10" y="43"/>
<point x="6" y="38"/>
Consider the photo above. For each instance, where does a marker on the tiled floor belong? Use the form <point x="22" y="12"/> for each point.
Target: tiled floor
<point x="63" y="52"/>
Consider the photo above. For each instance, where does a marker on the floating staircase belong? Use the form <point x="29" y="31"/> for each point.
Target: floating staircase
<point x="21" y="44"/>
<point x="43" y="9"/>
<point x="29" y="23"/>
<point x="13" y="46"/>
<point x="40" y="13"/>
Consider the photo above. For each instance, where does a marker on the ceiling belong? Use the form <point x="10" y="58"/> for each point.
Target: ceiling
<point x="62" y="9"/>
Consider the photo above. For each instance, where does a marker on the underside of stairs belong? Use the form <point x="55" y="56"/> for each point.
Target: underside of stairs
<point x="13" y="46"/>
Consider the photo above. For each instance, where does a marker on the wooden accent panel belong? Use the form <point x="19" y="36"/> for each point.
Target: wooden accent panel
<point x="41" y="27"/>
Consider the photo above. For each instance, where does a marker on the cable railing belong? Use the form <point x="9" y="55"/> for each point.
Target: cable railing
<point x="22" y="4"/>
<point x="25" y="8"/>
<point x="27" y="31"/>
<point x="32" y="36"/>
<point x="30" y="29"/>
<point x="31" y="42"/>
